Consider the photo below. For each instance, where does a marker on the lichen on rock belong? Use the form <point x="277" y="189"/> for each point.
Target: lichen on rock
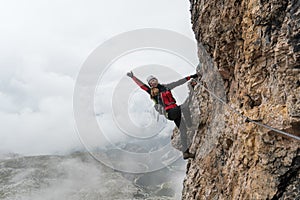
<point x="253" y="46"/>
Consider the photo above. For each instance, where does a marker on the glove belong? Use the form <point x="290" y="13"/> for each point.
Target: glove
<point x="194" y="76"/>
<point x="130" y="74"/>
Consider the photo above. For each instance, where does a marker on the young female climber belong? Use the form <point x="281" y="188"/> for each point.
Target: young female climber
<point x="166" y="103"/>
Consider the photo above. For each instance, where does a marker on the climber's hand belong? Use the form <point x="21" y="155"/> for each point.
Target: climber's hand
<point x="194" y="76"/>
<point x="130" y="74"/>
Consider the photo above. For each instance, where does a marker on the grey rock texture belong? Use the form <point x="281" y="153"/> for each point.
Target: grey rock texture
<point x="250" y="55"/>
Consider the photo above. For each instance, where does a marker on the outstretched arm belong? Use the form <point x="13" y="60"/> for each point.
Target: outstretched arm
<point x="139" y="82"/>
<point x="180" y="81"/>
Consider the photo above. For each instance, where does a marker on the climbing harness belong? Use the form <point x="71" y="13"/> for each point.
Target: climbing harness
<point x="247" y="119"/>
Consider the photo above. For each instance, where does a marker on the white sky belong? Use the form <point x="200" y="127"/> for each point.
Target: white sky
<point x="43" y="45"/>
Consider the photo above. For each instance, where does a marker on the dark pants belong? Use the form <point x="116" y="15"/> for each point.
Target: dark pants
<point x="174" y="114"/>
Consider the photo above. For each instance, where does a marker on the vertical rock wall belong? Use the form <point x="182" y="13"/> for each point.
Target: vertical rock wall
<point x="254" y="46"/>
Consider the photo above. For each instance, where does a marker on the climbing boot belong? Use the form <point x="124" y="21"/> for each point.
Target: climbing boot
<point x="187" y="155"/>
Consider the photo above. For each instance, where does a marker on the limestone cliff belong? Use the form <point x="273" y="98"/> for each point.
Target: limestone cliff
<point x="250" y="55"/>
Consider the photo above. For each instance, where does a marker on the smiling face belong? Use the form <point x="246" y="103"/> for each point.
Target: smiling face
<point x="153" y="82"/>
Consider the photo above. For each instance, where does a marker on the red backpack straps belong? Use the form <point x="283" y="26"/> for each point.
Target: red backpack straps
<point x="167" y="98"/>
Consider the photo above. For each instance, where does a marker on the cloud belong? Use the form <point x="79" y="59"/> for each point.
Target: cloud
<point x="39" y="115"/>
<point x="44" y="44"/>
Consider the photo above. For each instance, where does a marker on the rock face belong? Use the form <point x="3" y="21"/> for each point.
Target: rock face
<point x="250" y="55"/>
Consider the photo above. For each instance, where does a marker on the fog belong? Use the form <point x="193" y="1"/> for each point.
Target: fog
<point x="43" y="46"/>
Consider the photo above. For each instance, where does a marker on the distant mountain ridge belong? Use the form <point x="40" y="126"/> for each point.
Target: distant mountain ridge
<point x="79" y="176"/>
